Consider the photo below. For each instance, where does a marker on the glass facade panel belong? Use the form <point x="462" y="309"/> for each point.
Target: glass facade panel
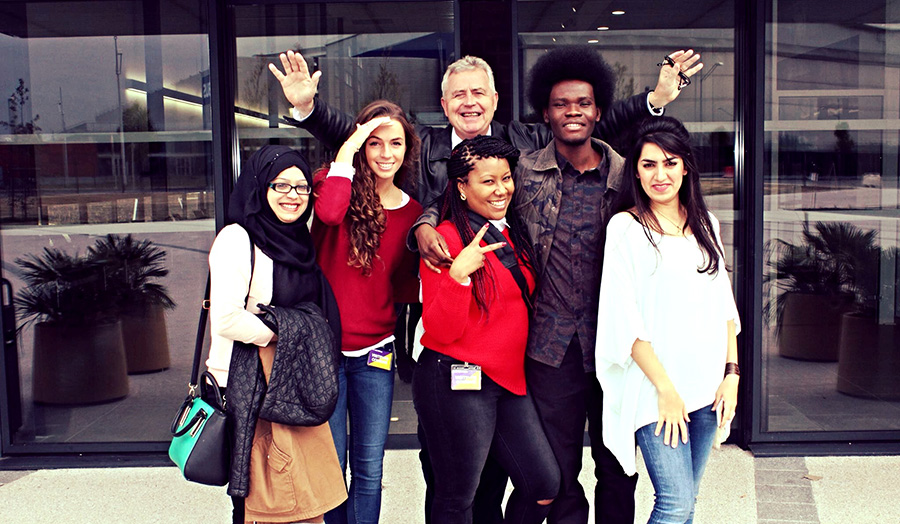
<point x="831" y="348"/>
<point x="107" y="131"/>
<point x="364" y="54"/>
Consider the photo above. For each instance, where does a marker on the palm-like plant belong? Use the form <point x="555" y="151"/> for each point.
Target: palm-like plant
<point x="64" y="288"/>
<point x="134" y="266"/>
<point x="809" y="267"/>
<point x="838" y="259"/>
<point x="857" y="258"/>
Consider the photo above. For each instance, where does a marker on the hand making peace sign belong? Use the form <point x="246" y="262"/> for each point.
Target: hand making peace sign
<point x="472" y="257"/>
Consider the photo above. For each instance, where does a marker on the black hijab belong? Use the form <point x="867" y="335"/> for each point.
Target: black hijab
<point x="296" y="276"/>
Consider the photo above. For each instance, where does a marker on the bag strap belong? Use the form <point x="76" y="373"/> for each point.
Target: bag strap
<point x="204" y="316"/>
<point x="201" y="332"/>
<point x="506" y="255"/>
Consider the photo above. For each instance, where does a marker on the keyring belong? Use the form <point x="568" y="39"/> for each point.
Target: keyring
<point x="683" y="79"/>
<point x="667" y="60"/>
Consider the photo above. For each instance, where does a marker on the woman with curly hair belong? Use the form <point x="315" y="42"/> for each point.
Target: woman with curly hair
<point x="469" y="385"/>
<point x="361" y="221"/>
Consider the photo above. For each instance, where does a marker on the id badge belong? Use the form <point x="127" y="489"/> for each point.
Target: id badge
<point x="381" y="358"/>
<point x="465" y="377"/>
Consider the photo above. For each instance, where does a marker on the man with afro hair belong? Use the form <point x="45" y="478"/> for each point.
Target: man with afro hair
<point x="565" y="193"/>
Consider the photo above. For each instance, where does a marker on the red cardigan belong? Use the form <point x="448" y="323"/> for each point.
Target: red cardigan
<point x="366" y="302"/>
<point x="456" y="327"/>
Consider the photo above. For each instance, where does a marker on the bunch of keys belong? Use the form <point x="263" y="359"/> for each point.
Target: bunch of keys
<point x="684" y="80"/>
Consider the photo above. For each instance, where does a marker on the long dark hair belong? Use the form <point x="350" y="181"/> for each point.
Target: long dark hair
<point x="367" y="218"/>
<point x="462" y="161"/>
<point x="671" y="136"/>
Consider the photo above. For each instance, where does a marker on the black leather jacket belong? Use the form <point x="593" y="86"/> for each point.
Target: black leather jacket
<point x="247" y="389"/>
<point x="332" y="127"/>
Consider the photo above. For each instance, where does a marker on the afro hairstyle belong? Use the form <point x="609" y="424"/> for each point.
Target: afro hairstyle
<point x="575" y="62"/>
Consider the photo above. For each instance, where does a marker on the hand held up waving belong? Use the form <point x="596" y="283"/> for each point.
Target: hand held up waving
<point x="298" y="84"/>
<point x="472" y="257"/>
<point x="667" y="90"/>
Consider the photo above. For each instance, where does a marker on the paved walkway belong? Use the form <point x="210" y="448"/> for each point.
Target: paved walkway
<point x="737" y="489"/>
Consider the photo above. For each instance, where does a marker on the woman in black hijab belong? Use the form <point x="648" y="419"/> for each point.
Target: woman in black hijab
<point x="266" y="256"/>
<point x="297" y="277"/>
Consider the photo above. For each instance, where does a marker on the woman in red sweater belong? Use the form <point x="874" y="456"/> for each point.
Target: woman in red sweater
<point x="469" y="385"/>
<point x="361" y="221"/>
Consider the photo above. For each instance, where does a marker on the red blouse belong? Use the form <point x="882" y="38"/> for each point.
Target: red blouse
<point x="456" y="327"/>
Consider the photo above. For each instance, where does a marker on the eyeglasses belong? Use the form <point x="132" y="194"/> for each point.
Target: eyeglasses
<point x="285" y="188"/>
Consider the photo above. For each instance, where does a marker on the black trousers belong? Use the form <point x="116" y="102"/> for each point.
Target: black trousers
<point x="564" y="398"/>
<point x="237" y="511"/>
<point x="488" y="505"/>
<point x="463" y="427"/>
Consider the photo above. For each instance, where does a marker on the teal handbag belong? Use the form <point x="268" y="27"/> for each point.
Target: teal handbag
<point x="200" y="440"/>
<point x="200" y="436"/>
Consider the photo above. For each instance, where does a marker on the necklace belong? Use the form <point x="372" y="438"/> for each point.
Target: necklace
<point x="669" y="220"/>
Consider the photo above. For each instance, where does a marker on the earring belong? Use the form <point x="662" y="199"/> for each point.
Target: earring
<point x="462" y="196"/>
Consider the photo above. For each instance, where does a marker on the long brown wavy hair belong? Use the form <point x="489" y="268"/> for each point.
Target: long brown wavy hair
<point x="367" y="218"/>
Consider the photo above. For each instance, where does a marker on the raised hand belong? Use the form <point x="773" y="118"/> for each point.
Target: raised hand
<point x="472" y="257"/>
<point x="666" y="89"/>
<point x="357" y="140"/>
<point x="298" y="85"/>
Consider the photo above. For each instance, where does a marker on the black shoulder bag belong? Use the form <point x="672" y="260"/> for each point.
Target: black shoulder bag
<point x="200" y="440"/>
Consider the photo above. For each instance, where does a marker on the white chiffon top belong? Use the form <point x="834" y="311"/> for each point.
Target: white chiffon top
<point x="659" y="297"/>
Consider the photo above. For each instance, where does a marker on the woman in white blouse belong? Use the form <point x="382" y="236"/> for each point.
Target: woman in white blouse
<point x="667" y="326"/>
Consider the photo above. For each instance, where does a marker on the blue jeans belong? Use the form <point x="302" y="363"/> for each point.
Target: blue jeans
<point x="675" y="473"/>
<point x="365" y="395"/>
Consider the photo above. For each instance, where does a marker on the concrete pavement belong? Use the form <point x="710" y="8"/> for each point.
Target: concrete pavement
<point x="737" y="488"/>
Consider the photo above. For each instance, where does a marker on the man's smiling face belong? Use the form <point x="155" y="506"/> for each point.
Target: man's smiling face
<point x="469" y="102"/>
<point x="572" y="112"/>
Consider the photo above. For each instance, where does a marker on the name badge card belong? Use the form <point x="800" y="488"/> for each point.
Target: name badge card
<point x="381" y="358"/>
<point x="465" y="377"/>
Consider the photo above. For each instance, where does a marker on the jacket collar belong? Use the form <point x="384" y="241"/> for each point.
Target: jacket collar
<point x="546" y="161"/>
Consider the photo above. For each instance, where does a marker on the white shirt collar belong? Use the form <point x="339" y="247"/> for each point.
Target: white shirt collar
<point x="499" y="224"/>
<point x="455" y="139"/>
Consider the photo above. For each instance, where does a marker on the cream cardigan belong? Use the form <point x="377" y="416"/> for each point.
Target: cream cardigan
<point x="229" y="267"/>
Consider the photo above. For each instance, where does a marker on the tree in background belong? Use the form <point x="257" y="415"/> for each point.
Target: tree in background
<point x="16" y="105"/>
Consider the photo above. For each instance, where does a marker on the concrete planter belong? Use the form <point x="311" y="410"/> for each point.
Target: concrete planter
<point x="811" y="326"/>
<point x="869" y="360"/>
<point x="83" y="364"/>
<point x="146" y="340"/>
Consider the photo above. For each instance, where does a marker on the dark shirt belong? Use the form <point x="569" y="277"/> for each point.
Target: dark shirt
<point x="568" y="298"/>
